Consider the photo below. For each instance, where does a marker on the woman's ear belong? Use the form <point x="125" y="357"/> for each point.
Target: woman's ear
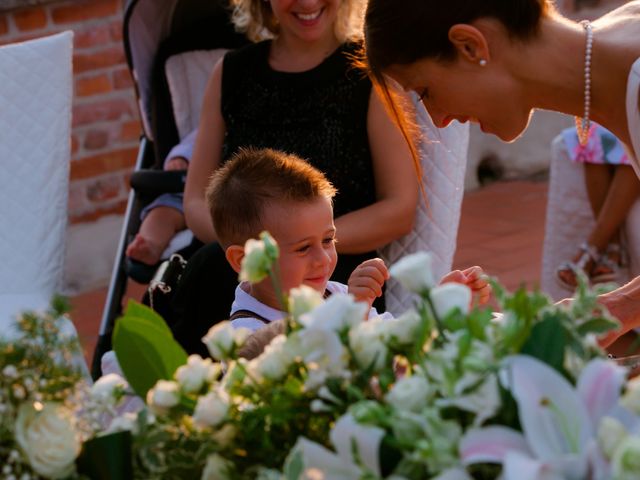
<point x="470" y="43"/>
<point x="235" y="254"/>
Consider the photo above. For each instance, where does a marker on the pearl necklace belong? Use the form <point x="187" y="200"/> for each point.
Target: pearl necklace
<point x="584" y="124"/>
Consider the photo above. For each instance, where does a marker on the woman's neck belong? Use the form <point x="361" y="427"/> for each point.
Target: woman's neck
<point x="552" y="69"/>
<point x="289" y="54"/>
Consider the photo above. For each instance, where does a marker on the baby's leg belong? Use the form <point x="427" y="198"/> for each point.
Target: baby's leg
<point x="156" y="231"/>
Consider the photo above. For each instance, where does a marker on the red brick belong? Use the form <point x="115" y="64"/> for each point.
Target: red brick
<point x="106" y="57"/>
<point x="98" y="111"/>
<point x="116" y="31"/>
<point x="82" y="11"/>
<point x="93" y="85"/>
<point x="130" y="131"/>
<point x="97" y="35"/>
<point x="30" y="19"/>
<point x="105" y="189"/>
<point x="4" y="24"/>
<point x="122" y="79"/>
<point x="75" y="144"/>
<point x="115" y="209"/>
<point x="103" y="163"/>
<point x="96" y="139"/>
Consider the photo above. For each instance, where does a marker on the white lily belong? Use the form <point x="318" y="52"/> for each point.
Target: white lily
<point x="357" y="448"/>
<point x="559" y="423"/>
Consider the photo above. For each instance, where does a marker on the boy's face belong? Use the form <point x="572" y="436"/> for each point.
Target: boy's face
<point x="306" y="236"/>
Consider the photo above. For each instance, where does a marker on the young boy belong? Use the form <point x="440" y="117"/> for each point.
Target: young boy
<point x="264" y="189"/>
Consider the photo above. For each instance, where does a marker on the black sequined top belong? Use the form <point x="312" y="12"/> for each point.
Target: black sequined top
<point x="320" y="115"/>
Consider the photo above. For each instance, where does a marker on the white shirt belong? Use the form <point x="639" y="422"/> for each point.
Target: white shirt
<point x="244" y="301"/>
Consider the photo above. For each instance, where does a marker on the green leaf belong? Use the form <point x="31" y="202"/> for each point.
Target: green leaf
<point x="146" y="352"/>
<point x="294" y="466"/>
<point x="597" y="325"/>
<point x="547" y="342"/>
<point x="137" y="309"/>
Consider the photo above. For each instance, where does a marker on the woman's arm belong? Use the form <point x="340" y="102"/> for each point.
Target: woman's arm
<point x="206" y="158"/>
<point x="392" y="215"/>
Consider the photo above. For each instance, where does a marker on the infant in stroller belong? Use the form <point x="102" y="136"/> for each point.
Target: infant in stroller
<point x="163" y="217"/>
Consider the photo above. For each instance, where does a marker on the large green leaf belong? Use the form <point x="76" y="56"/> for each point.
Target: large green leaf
<point x="146" y="351"/>
<point x="107" y="457"/>
<point x="547" y="342"/>
<point x="137" y="309"/>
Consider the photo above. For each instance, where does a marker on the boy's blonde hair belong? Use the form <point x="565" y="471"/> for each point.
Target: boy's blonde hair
<point x="239" y="190"/>
<point x="256" y="20"/>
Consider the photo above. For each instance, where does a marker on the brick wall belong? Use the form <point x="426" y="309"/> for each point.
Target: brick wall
<point x="106" y="126"/>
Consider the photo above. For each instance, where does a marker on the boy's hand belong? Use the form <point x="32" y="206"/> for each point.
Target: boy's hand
<point x="176" y="163"/>
<point x="366" y="281"/>
<point x="475" y="279"/>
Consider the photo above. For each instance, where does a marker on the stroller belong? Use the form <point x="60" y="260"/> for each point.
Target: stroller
<point x="171" y="47"/>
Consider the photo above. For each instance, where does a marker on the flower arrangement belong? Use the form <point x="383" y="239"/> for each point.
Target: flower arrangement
<point x="40" y="389"/>
<point x="443" y="391"/>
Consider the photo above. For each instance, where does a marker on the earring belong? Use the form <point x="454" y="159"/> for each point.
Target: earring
<point x="483" y="62"/>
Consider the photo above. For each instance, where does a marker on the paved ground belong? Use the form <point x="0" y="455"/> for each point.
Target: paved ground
<point x="501" y="229"/>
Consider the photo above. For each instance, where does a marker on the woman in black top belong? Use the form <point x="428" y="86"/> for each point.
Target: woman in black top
<point x="298" y="92"/>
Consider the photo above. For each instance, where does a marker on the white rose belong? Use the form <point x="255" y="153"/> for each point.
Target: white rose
<point x="448" y="296"/>
<point x="322" y="353"/>
<point x="47" y="436"/>
<point x="109" y="387"/>
<point x="631" y="399"/>
<point x="409" y="393"/>
<point x="222" y="339"/>
<point x="128" y="421"/>
<point x="274" y="362"/>
<point x="217" y="468"/>
<point x="414" y="272"/>
<point x="211" y="409"/>
<point x="340" y="311"/>
<point x="302" y="300"/>
<point x="610" y="433"/>
<point x="367" y="341"/>
<point x="164" y="395"/>
<point x="625" y="464"/>
<point x="258" y="259"/>
<point x="404" y="328"/>
<point x="194" y="374"/>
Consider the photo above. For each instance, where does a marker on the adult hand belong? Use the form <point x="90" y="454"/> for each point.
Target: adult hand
<point x="624" y="304"/>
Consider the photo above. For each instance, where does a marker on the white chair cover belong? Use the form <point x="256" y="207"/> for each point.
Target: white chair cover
<point x="35" y="123"/>
<point x="443" y="154"/>
<point x="569" y="221"/>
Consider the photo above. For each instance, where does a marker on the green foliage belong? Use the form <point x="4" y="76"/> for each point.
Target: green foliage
<point x="145" y="348"/>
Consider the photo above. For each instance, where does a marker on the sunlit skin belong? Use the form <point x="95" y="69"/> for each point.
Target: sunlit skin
<point x="545" y="72"/>
<point x="305" y="25"/>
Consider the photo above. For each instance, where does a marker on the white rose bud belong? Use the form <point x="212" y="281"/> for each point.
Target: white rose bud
<point x="274" y="362"/>
<point x="302" y="300"/>
<point x="258" y="259"/>
<point x="211" y="409"/>
<point x="47" y="435"/>
<point x="337" y="313"/>
<point x="222" y="338"/>
<point x="217" y="468"/>
<point x="163" y="396"/>
<point x="625" y="464"/>
<point x="610" y="433"/>
<point x="194" y="374"/>
<point x="128" y="421"/>
<point x="414" y="272"/>
<point x="109" y="387"/>
<point x="448" y="296"/>
<point x="410" y="394"/>
<point x="367" y="341"/>
<point x="404" y="328"/>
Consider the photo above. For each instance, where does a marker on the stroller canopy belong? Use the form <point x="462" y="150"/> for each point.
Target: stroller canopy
<point x="148" y="24"/>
